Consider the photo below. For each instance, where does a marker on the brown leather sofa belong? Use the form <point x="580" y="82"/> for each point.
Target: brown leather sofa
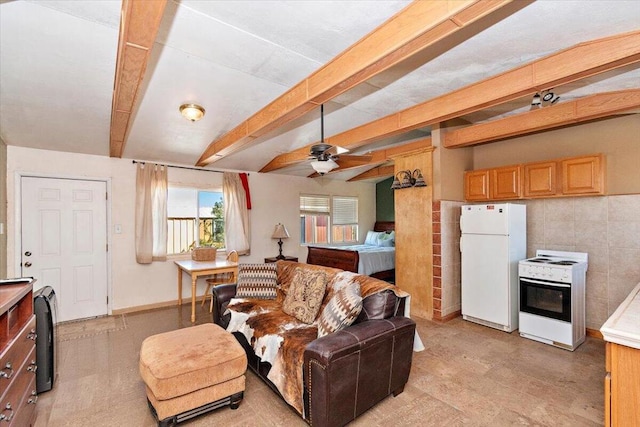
<point x="349" y="371"/>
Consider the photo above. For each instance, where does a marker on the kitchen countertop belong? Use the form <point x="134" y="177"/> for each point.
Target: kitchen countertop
<point x="623" y="327"/>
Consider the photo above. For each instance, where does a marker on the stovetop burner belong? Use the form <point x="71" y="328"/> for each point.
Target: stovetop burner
<point x="563" y="262"/>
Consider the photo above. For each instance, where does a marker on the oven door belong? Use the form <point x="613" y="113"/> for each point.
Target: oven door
<point x="545" y="298"/>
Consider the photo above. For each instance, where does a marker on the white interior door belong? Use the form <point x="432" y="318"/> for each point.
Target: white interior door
<point x="64" y="242"/>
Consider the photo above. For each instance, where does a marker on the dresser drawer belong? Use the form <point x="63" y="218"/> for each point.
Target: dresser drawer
<point x="23" y="377"/>
<point x="26" y="414"/>
<point x="15" y="355"/>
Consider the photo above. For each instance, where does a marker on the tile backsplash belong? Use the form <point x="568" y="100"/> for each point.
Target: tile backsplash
<point x="607" y="228"/>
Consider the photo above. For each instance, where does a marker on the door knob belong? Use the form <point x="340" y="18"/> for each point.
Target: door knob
<point x="27" y="253"/>
<point x="27" y="264"/>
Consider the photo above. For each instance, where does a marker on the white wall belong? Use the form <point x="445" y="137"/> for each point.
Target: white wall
<point x="275" y="198"/>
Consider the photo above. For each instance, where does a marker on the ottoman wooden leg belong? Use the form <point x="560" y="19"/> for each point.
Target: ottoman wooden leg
<point x="168" y="422"/>
<point x="235" y="400"/>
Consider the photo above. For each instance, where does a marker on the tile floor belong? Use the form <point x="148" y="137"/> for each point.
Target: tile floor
<point x="468" y="374"/>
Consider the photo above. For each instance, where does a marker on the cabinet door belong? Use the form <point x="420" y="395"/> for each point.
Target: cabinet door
<point x="476" y="185"/>
<point x="540" y="179"/>
<point x="583" y="175"/>
<point x="505" y="183"/>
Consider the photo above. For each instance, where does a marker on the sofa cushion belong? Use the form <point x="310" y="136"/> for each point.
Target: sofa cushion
<point x="305" y="295"/>
<point x="342" y="310"/>
<point x="257" y="281"/>
<point x="381" y="305"/>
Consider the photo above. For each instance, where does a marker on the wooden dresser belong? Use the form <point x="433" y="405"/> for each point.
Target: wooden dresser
<point x="17" y="355"/>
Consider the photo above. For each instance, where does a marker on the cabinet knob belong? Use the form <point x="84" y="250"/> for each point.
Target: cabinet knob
<point x="4" y="373"/>
<point x="33" y="399"/>
<point x="4" y="417"/>
<point x="27" y="264"/>
<point x="32" y="367"/>
<point x="32" y="335"/>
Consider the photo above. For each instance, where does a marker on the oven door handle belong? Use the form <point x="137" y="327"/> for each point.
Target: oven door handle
<point x="549" y="284"/>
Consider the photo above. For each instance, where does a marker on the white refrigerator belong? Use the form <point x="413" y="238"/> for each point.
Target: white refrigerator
<point x="494" y="239"/>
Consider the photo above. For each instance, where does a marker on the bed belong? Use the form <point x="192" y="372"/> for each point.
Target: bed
<point x="369" y="260"/>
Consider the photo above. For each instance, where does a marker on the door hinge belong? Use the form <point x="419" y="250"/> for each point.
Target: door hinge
<point x="107" y="245"/>
<point x="107" y="299"/>
<point x="106" y="196"/>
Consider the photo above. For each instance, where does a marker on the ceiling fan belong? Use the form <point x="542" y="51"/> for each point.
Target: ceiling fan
<point x="325" y="155"/>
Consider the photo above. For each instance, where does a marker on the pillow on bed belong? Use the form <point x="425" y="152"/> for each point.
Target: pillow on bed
<point x="387" y="240"/>
<point x="257" y="281"/>
<point x="372" y="238"/>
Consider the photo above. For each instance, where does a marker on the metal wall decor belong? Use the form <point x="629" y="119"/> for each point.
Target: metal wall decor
<point x="407" y="179"/>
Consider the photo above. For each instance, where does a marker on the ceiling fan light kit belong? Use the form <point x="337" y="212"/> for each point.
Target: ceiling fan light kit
<point x="324" y="166"/>
<point x="192" y="112"/>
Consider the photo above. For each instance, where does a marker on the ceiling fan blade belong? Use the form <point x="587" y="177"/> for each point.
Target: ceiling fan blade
<point x="353" y="158"/>
<point x="335" y="150"/>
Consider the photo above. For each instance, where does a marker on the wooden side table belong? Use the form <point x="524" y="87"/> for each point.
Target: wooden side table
<point x="286" y="258"/>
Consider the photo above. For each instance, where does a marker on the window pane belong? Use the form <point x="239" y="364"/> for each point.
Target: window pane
<point x="345" y="220"/>
<point x="314" y="228"/>
<point x="211" y="219"/>
<point x="195" y="218"/>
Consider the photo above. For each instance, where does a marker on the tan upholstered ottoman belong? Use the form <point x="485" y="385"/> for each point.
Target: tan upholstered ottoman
<point x="191" y="371"/>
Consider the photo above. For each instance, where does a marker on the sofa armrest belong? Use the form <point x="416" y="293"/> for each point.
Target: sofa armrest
<point x="222" y="294"/>
<point x="349" y="371"/>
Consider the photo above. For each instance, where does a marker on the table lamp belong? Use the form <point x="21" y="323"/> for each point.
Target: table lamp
<point x="280" y="233"/>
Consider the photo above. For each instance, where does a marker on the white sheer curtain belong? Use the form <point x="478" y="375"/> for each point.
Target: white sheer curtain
<point x="151" y="213"/>
<point x="236" y="214"/>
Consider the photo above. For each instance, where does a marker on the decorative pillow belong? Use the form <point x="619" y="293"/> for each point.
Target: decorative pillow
<point x="257" y="281"/>
<point x="372" y="237"/>
<point x="341" y="311"/>
<point x="386" y="239"/>
<point x="305" y="295"/>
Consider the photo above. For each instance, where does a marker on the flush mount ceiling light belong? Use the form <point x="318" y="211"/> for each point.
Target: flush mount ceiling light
<point x="192" y="112"/>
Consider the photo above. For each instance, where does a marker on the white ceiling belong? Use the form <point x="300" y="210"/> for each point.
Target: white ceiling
<point x="57" y="66"/>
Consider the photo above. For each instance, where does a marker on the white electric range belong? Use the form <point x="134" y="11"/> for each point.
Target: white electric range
<point x="552" y="298"/>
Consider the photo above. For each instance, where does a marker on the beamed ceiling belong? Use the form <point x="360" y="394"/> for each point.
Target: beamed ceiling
<point x="107" y="77"/>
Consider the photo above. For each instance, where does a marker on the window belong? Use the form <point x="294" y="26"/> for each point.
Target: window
<point x="195" y="218"/>
<point x="345" y="220"/>
<point x="321" y="224"/>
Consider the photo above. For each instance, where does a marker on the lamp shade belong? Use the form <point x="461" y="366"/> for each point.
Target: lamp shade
<point x="323" y="166"/>
<point x="280" y="232"/>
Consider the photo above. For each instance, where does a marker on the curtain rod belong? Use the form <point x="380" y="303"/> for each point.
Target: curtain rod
<point x="183" y="167"/>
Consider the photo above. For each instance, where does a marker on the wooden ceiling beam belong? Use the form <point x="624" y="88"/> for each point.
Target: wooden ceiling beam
<point x="554" y="116"/>
<point x="139" y="23"/>
<point x="377" y="172"/>
<point x="417" y="27"/>
<point x="568" y="65"/>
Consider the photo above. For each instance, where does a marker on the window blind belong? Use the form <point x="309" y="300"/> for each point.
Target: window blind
<point x="345" y="210"/>
<point x="314" y="205"/>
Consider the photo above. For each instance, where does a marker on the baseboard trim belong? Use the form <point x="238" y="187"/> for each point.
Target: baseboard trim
<point x="594" y="333"/>
<point x="448" y="317"/>
<point x="135" y="309"/>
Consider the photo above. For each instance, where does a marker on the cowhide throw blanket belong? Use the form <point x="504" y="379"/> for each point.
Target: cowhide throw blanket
<point x="280" y="339"/>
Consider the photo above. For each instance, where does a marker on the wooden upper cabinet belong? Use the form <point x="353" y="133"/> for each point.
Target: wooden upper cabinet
<point x="540" y="179"/>
<point x="505" y="183"/>
<point x="476" y="185"/>
<point x="575" y="176"/>
<point x="583" y="175"/>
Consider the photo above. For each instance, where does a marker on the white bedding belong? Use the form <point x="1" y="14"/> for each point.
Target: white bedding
<point x="372" y="258"/>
